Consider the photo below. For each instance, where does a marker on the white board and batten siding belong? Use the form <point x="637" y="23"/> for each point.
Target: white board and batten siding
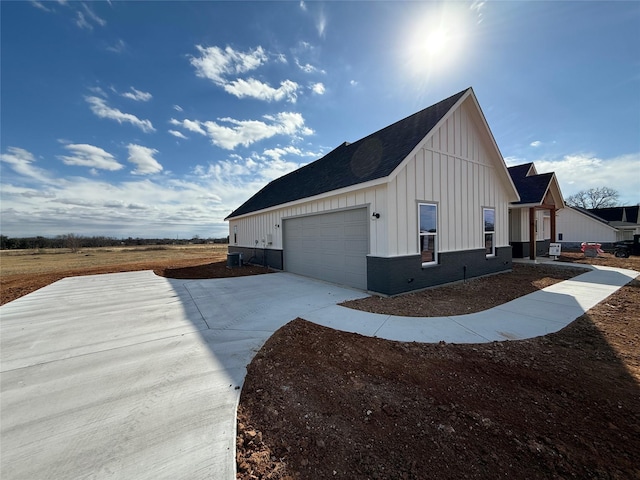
<point x="259" y="225"/>
<point x="577" y="227"/>
<point x="456" y="167"/>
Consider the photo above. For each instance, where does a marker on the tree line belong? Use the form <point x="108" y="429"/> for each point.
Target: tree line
<point x="75" y="242"/>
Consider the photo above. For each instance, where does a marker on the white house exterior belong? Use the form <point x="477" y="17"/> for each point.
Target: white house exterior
<point x="576" y="225"/>
<point x="422" y="202"/>
<point x="532" y="219"/>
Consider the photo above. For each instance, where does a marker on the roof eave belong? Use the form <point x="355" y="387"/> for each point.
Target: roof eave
<point x="320" y="196"/>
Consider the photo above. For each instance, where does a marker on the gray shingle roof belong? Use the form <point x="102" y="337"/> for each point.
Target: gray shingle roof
<point x="372" y="157"/>
<point x="616" y="214"/>
<point x="531" y="188"/>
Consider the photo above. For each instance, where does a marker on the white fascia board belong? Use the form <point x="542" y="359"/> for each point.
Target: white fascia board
<point x="514" y="197"/>
<point x="554" y="183"/>
<point x="524" y="205"/>
<point x="340" y="191"/>
<point x="505" y="171"/>
<point x="429" y="134"/>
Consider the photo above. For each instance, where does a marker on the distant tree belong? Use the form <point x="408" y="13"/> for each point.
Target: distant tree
<point x="72" y="242"/>
<point x="601" y="197"/>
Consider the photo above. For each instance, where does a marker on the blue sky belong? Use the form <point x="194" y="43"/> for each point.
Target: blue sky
<point x="157" y="119"/>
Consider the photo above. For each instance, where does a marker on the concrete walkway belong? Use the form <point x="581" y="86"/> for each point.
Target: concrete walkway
<point x="131" y="375"/>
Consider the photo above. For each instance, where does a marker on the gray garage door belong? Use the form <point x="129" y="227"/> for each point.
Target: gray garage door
<point x="330" y="246"/>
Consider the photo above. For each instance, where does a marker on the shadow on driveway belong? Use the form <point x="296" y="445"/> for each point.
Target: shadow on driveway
<point x="132" y="375"/>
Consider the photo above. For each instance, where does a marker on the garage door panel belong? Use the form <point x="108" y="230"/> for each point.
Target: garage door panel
<point x="331" y="246"/>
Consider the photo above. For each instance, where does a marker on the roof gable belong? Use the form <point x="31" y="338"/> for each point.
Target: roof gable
<point x="372" y="157"/>
<point x="533" y="187"/>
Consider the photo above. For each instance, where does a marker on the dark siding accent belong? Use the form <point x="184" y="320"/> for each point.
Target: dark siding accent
<point x="259" y="256"/>
<point x="521" y="249"/>
<point x="391" y="276"/>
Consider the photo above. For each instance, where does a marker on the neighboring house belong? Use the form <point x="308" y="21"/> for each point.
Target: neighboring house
<point x="576" y="226"/>
<point x="422" y="202"/>
<point x="600" y="225"/>
<point x="625" y="219"/>
<point x="532" y="219"/>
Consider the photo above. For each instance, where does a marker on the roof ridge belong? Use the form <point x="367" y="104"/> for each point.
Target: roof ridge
<point x="371" y="157"/>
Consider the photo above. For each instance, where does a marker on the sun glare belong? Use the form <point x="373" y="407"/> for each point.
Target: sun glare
<point x="435" y="41"/>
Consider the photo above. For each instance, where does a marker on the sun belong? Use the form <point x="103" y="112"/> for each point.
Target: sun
<point x="434" y="43"/>
<point x="437" y="41"/>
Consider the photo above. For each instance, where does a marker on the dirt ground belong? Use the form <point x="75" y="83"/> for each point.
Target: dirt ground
<point x="319" y="404"/>
<point x="24" y="272"/>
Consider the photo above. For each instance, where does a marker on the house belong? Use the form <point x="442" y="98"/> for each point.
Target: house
<point x="422" y="202"/>
<point x="532" y="218"/>
<point x="602" y="225"/>
<point x="625" y="219"/>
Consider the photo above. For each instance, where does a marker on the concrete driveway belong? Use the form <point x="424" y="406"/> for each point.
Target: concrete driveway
<point x="134" y="376"/>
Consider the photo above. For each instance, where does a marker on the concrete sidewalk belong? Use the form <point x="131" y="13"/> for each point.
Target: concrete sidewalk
<point x="132" y="375"/>
<point x="539" y="313"/>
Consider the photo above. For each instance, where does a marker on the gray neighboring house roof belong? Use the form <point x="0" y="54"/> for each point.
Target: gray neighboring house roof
<point x="372" y="157"/>
<point x="618" y="216"/>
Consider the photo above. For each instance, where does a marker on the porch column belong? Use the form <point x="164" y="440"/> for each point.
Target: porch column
<point x="553" y="225"/>
<point x="532" y="233"/>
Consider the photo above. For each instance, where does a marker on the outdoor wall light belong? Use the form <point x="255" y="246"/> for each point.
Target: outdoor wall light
<point x="375" y="215"/>
<point x="277" y="225"/>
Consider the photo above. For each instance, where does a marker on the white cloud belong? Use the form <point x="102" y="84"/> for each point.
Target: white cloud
<point x="178" y="108"/>
<point x="307" y="67"/>
<point x="478" y="7"/>
<point x="318" y="88"/>
<point x="191" y="125"/>
<point x="215" y="63"/>
<point x="40" y="5"/>
<point x="278" y="152"/>
<point x="93" y="16"/>
<point x="246" y="132"/>
<point x="178" y="134"/>
<point x="101" y="109"/>
<point x="142" y="157"/>
<point x="98" y="91"/>
<point x="22" y="162"/>
<point x="321" y="24"/>
<point x="262" y="91"/>
<point x="137" y="95"/>
<point x="155" y="206"/>
<point x="81" y="22"/>
<point x="118" y="47"/>
<point x="162" y="207"/>
<point x="353" y="83"/>
<point x="303" y="6"/>
<point x="218" y="65"/>
<point x="582" y="171"/>
<point x="85" y="155"/>
<point x="535" y="143"/>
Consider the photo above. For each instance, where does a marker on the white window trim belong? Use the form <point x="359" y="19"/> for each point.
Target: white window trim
<point x="493" y="233"/>
<point x="426" y="234"/>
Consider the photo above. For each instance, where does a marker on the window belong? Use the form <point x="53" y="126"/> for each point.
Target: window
<point x="489" y="222"/>
<point x="428" y="232"/>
